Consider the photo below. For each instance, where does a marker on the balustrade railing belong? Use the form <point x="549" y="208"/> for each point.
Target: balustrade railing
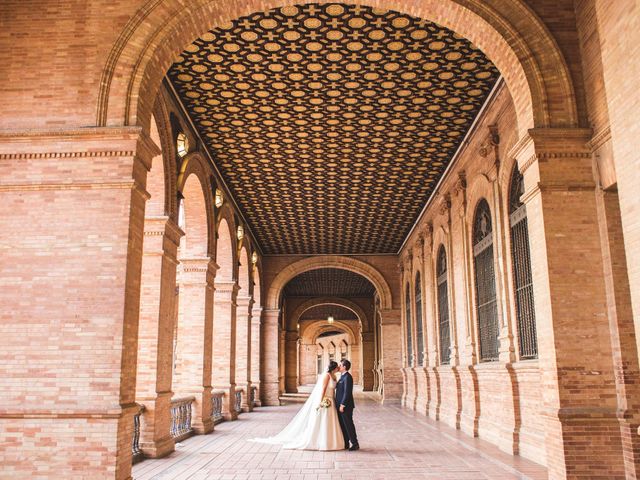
<point x="181" y="416"/>
<point x="135" y="443"/>
<point x="217" y="397"/>
<point x="239" y="401"/>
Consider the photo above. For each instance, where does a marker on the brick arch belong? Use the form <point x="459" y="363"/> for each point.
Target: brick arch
<point x="341" y="302"/>
<point x="315" y="329"/>
<point x="168" y="148"/>
<point x="329" y="261"/>
<point x="244" y="270"/>
<point x="193" y="184"/>
<point x="256" y="291"/>
<point x="226" y="251"/>
<point x="508" y="32"/>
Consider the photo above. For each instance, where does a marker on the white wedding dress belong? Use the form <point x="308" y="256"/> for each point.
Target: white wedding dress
<point x="312" y="428"/>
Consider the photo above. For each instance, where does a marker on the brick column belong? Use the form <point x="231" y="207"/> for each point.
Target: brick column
<point x="623" y="338"/>
<point x="256" y="322"/>
<point x="391" y="346"/>
<point x="291" y="361"/>
<point x="270" y="358"/>
<point x="368" y="354"/>
<point x="155" y="334"/>
<point x="72" y="234"/>
<point x="243" y="349"/>
<point x="194" y="343"/>
<point x="224" y="345"/>
<point x="578" y="381"/>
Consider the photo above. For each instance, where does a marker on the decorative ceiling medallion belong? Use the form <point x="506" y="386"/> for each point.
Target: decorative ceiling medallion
<point x="329" y="282"/>
<point x="332" y="123"/>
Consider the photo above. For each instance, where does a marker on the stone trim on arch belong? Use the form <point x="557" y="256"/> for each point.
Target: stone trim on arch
<point x="509" y="32"/>
<point x="342" y="302"/>
<point x="329" y="261"/>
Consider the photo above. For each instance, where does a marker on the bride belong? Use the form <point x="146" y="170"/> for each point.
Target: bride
<point x="316" y="425"/>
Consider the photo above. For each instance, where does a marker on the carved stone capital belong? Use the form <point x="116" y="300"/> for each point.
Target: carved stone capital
<point x="445" y="204"/>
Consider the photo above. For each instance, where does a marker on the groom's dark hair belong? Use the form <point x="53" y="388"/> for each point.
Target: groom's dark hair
<point x="346" y="363"/>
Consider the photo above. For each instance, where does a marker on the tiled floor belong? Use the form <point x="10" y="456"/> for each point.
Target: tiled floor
<point x="395" y="444"/>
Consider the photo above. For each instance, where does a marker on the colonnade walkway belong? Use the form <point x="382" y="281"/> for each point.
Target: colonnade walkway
<point x="395" y="444"/>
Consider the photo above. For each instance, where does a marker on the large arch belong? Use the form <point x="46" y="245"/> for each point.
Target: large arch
<point x="314" y="330"/>
<point x="509" y="33"/>
<point x="329" y="261"/>
<point x="341" y="302"/>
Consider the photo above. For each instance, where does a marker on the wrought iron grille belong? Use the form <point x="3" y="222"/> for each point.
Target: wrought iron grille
<point x="522" y="278"/>
<point x="181" y="415"/>
<point x="443" y="308"/>
<point x="408" y="319"/>
<point x="486" y="307"/>
<point x="419" y="326"/>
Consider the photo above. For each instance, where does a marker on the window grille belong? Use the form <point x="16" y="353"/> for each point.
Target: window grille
<point x="408" y="320"/>
<point x="522" y="278"/>
<point x="319" y="363"/>
<point x="419" y="326"/>
<point x="443" y="307"/>
<point x="486" y="308"/>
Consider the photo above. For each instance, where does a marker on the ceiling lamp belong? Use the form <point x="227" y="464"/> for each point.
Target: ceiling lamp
<point x="240" y="232"/>
<point x="219" y="198"/>
<point x="330" y="319"/>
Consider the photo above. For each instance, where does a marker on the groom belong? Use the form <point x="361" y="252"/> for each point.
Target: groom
<point x="345" y="405"/>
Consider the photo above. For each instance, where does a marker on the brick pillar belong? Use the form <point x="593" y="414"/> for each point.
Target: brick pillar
<point x="270" y="358"/>
<point x="623" y="336"/>
<point x="194" y="342"/>
<point x="72" y="234"/>
<point x="155" y="334"/>
<point x="224" y="345"/>
<point x="391" y="349"/>
<point x="368" y="354"/>
<point x="243" y="349"/>
<point x="256" y="322"/>
<point x="577" y="377"/>
<point x="291" y="361"/>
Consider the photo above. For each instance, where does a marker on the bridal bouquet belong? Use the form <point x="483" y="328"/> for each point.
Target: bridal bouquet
<point x="325" y="403"/>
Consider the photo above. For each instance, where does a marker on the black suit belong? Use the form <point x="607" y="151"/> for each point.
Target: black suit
<point x="344" y="396"/>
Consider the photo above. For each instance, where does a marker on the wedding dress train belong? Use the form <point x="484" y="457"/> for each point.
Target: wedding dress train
<point x="312" y="428"/>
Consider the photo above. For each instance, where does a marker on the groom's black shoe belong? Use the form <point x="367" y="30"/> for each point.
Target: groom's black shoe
<point x="355" y="447"/>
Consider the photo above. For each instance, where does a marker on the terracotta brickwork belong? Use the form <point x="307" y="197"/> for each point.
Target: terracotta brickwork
<point x="125" y="283"/>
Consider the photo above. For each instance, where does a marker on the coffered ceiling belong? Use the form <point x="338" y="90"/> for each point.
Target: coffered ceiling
<point x="331" y="124"/>
<point x="329" y="282"/>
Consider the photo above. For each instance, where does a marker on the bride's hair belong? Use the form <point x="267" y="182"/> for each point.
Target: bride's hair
<point x="332" y="366"/>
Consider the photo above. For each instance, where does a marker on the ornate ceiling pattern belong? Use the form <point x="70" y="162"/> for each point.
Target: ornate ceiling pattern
<point x="329" y="282"/>
<point x="332" y="124"/>
<point x="324" y="311"/>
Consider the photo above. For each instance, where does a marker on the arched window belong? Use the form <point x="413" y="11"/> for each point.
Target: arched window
<point x="419" y="328"/>
<point x="486" y="307"/>
<point x="443" y="307"/>
<point x="522" y="281"/>
<point x="407" y="301"/>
